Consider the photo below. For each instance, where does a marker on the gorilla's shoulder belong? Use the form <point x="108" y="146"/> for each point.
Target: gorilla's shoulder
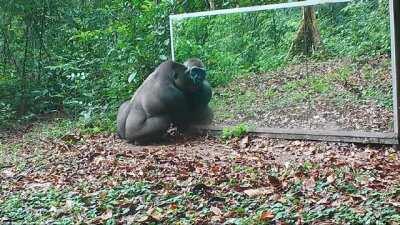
<point x="165" y="70"/>
<point x="168" y="63"/>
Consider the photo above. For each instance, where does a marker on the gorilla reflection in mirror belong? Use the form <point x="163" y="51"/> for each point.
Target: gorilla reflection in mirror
<point x="197" y="100"/>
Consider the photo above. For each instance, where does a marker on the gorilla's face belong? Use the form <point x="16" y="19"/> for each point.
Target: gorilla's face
<point x="190" y="76"/>
<point x="185" y="81"/>
<point x="197" y="75"/>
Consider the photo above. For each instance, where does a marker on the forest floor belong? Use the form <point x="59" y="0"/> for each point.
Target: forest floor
<point x="53" y="175"/>
<point x="338" y="94"/>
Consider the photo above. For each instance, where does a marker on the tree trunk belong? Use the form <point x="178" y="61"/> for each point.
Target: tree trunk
<point x="212" y="4"/>
<point x="23" y="107"/>
<point x="308" y="39"/>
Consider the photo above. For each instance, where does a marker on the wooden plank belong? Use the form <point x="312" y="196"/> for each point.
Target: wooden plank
<point x="395" y="39"/>
<point x="318" y="135"/>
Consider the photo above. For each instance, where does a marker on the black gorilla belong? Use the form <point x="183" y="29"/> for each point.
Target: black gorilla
<point x="199" y="111"/>
<point x="163" y="98"/>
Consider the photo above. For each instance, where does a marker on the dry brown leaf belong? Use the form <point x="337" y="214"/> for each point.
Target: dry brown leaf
<point x="215" y="168"/>
<point x="258" y="192"/>
<point x="244" y="142"/>
<point x="275" y="182"/>
<point x="71" y="138"/>
<point x="216" y="210"/>
<point x="106" y="215"/>
<point x="173" y="206"/>
<point x="266" y="216"/>
<point x="331" y="178"/>
<point x="309" y="184"/>
<point x="8" y="173"/>
<point x="154" y="214"/>
<point x="281" y="223"/>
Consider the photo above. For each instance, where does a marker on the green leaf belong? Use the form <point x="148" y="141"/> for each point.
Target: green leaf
<point x="132" y="77"/>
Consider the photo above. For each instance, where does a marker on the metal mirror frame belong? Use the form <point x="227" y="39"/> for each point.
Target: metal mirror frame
<point x="320" y="135"/>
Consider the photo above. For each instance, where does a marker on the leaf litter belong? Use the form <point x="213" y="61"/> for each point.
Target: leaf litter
<point x="205" y="180"/>
<point x="338" y="94"/>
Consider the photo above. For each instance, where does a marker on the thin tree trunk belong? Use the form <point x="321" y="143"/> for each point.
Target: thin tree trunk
<point x="24" y="103"/>
<point x="308" y="39"/>
<point x="5" y="53"/>
<point x="212" y="4"/>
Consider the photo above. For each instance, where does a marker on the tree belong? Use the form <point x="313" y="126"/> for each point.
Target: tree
<point x="212" y="4"/>
<point x="308" y="39"/>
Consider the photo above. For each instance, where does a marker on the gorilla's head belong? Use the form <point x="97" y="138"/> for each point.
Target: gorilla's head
<point x="196" y="71"/>
<point x="184" y="79"/>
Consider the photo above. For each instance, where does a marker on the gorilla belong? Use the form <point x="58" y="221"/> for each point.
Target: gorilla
<point x="173" y="93"/>
<point x="199" y="111"/>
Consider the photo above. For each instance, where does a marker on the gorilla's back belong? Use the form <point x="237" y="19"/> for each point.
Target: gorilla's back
<point x="157" y="94"/>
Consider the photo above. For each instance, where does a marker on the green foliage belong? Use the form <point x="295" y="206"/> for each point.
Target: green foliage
<point x="84" y="58"/>
<point x="78" y="56"/>
<point x="360" y="29"/>
<point x="232" y="45"/>
<point x="60" y="206"/>
<point x="235" y="131"/>
<point x="7" y="114"/>
<point x="258" y="42"/>
<point x="106" y="206"/>
<point x="97" y="123"/>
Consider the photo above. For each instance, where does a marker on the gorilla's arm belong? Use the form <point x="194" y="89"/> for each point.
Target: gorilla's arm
<point x="201" y="98"/>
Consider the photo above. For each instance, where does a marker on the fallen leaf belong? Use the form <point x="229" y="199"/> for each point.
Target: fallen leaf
<point x="309" y="184"/>
<point x="154" y="214"/>
<point x="280" y="146"/>
<point x="142" y="219"/>
<point x="216" y="210"/>
<point x="266" y="216"/>
<point x="275" y="182"/>
<point x="39" y="185"/>
<point x="258" y="192"/>
<point x="69" y="204"/>
<point x="71" y="138"/>
<point x="296" y="143"/>
<point x="8" y="173"/>
<point x="106" y="215"/>
<point x="244" y="142"/>
<point x="215" y="169"/>
<point x="331" y="178"/>
<point x="392" y="157"/>
<point x="173" y="206"/>
<point x="129" y="220"/>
